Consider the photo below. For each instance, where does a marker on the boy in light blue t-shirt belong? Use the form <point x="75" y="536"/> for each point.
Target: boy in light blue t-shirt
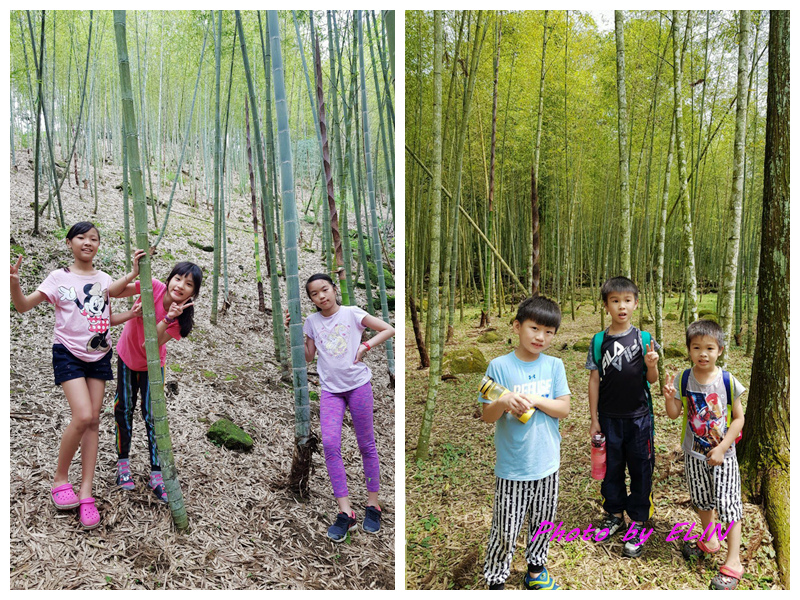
<point x="528" y="454"/>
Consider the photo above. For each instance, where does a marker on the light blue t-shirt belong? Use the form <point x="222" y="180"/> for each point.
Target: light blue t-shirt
<point x="532" y="450"/>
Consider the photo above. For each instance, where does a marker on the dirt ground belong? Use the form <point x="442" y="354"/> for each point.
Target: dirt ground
<point x="246" y="530"/>
<point x="449" y="497"/>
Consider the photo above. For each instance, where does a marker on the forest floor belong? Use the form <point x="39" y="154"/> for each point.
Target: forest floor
<point x="246" y="529"/>
<point x="449" y="497"/>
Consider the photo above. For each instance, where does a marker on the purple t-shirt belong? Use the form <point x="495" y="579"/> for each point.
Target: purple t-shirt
<point x="82" y="312"/>
<point x="337" y="339"/>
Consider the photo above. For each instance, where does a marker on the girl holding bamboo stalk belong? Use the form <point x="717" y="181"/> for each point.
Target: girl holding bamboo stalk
<point x="81" y="356"/>
<point x="335" y="332"/>
<point x="174" y="306"/>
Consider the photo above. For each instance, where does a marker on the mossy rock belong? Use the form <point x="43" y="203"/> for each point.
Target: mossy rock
<point x="313" y="396"/>
<point x="373" y="275"/>
<point x="376" y="303"/>
<point x="674" y="351"/>
<point x="648" y="320"/>
<point x="465" y="360"/>
<point x="489" y="337"/>
<point x="581" y="346"/>
<point x="225" y="433"/>
<point x="708" y="315"/>
<point x="202" y="247"/>
<point x="671" y="317"/>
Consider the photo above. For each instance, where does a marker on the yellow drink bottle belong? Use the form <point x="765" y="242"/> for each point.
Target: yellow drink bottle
<point x="491" y="390"/>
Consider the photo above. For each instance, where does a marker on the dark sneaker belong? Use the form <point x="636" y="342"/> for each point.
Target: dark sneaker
<point x="612" y="523"/>
<point x="497" y="586"/>
<point x="633" y="547"/>
<point x="124" y="478"/>
<point x="372" y="519"/>
<point x="344" y="523"/>
<point x="157" y="485"/>
<point x="542" y="581"/>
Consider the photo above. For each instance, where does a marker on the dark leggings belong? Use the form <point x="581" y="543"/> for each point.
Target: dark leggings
<point x="130" y="384"/>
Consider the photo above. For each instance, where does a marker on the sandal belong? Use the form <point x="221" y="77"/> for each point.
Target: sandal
<point x="690" y="551"/>
<point x="90" y="518"/>
<point x="726" y="579"/>
<point x="64" y="497"/>
<point x="704" y="547"/>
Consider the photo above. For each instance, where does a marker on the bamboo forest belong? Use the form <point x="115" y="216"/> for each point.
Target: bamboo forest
<point x="247" y="151"/>
<point x="546" y="153"/>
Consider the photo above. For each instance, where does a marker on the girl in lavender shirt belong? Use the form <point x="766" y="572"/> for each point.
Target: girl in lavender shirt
<point x="81" y="356"/>
<point x="334" y="333"/>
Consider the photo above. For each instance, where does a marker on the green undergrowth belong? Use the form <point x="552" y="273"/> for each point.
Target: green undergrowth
<point x="449" y="496"/>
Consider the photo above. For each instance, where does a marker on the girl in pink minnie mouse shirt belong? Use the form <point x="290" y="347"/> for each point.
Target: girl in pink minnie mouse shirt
<point x="81" y="356"/>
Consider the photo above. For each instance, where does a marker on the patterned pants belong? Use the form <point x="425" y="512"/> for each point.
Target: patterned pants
<point x="130" y="384"/>
<point x="331" y="414"/>
<point x="513" y="500"/>
<point x="715" y="487"/>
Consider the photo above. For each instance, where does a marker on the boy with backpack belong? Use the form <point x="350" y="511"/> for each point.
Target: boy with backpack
<point x="528" y="445"/>
<point x="714" y="426"/>
<point x="623" y="362"/>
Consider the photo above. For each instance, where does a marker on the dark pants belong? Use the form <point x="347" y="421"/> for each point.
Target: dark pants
<point x="129" y="385"/>
<point x="629" y="442"/>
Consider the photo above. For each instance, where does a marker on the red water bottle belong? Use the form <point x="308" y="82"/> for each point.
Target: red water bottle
<point x="598" y="456"/>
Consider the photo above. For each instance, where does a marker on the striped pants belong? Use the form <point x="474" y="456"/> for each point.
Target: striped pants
<point x="130" y="384"/>
<point x="715" y="487"/>
<point x="513" y="500"/>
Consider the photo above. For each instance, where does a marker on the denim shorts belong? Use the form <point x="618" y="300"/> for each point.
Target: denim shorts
<point x="66" y="366"/>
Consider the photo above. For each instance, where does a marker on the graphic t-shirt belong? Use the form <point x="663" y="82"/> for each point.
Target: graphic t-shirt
<point x="622" y="382"/>
<point x="337" y="339"/>
<point x="706" y="411"/>
<point x="130" y="347"/>
<point x="82" y="312"/>
<point x="532" y="450"/>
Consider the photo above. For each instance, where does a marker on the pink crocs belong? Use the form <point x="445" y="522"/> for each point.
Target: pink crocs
<point x="64" y="497"/>
<point x="90" y="518"/>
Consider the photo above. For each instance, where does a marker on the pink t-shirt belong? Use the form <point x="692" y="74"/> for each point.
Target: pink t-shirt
<point x="82" y="312"/>
<point x="130" y="346"/>
<point x="337" y="339"/>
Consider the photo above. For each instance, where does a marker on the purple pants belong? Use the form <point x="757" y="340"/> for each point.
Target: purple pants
<point x="331" y="414"/>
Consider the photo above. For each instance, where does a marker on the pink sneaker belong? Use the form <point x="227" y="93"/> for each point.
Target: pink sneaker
<point x="90" y="518"/>
<point x="64" y="497"/>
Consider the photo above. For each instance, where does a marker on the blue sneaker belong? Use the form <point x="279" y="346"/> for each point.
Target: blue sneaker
<point x="542" y="581"/>
<point x="372" y="519"/>
<point x="344" y="523"/>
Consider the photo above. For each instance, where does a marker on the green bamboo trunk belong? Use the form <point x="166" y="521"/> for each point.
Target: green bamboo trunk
<point x="333" y="46"/>
<point x="155" y="374"/>
<point x="351" y="127"/>
<point x="327" y="172"/>
<point x="684" y="192"/>
<point x="259" y="284"/>
<point x="271" y="170"/>
<point x="376" y="245"/>
<point x="217" y="152"/>
<point x="435" y="239"/>
<point x="387" y="155"/>
<point x="277" y="311"/>
<point x="326" y="243"/>
<point x="301" y="462"/>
